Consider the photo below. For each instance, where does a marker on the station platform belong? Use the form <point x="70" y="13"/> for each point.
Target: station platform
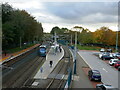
<point x="46" y="69"/>
<point x="13" y="55"/>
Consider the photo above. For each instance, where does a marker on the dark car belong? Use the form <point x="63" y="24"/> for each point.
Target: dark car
<point x="117" y="64"/>
<point x="94" y="75"/>
<point x="107" y="57"/>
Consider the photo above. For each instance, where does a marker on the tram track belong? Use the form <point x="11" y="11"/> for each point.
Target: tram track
<point x="17" y="76"/>
<point x="63" y="69"/>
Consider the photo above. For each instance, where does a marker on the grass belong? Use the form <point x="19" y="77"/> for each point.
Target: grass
<point x="19" y="49"/>
<point x="88" y="47"/>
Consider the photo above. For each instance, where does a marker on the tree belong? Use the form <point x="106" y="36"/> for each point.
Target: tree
<point x="19" y="24"/>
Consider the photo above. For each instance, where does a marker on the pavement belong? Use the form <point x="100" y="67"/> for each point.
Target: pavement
<point x="10" y="56"/>
<point x="82" y="79"/>
<point x="109" y="74"/>
<point x="46" y="69"/>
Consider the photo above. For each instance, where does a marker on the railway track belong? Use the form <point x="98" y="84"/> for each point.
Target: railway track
<point x="18" y="76"/>
<point x="65" y="65"/>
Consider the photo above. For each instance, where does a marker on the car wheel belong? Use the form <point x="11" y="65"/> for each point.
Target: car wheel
<point x="119" y="68"/>
<point x="103" y="58"/>
<point x="100" y="80"/>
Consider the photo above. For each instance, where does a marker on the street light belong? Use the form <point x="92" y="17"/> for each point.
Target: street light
<point x="117" y="39"/>
<point x="75" y="58"/>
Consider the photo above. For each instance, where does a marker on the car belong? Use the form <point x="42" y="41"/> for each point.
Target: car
<point x="117" y="64"/>
<point x="94" y="75"/>
<point x="103" y="54"/>
<point x="119" y="68"/>
<point x="109" y="50"/>
<point x="105" y="87"/>
<point x="106" y="57"/>
<point x="102" y="50"/>
<point x="116" y="55"/>
<point x="113" y="61"/>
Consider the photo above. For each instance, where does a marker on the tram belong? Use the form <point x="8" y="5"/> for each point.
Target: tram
<point x="42" y="50"/>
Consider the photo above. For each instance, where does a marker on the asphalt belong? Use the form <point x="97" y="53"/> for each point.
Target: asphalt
<point x="109" y="74"/>
<point x="83" y="80"/>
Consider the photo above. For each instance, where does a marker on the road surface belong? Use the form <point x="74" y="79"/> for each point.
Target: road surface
<point x="109" y="74"/>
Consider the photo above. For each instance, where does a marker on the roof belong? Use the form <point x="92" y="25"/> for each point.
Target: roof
<point x="43" y="46"/>
<point x="96" y="71"/>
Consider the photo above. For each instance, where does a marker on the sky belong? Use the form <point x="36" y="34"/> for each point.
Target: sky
<point x="91" y="14"/>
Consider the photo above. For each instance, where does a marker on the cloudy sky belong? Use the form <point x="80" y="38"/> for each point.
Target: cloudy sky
<point x="92" y="15"/>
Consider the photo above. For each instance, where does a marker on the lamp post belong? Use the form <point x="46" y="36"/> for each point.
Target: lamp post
<point x="75" y="52"/>
<point x="71" y="39"/>
<point x="75" y="58"/>
<point x="116" y="41"/>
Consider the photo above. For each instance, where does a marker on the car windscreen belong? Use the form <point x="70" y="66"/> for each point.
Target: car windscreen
<point x="42" y="49"/>
<point x="96" y="74"/>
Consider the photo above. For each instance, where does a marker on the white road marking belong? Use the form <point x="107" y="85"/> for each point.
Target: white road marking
<point x="105" y="70"/>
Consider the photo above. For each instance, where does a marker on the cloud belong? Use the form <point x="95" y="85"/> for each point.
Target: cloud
<point x="90" y="14"/>
<point x="74" y="11"/>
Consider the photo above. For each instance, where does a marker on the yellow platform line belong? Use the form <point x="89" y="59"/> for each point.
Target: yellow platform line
<point x="17" y="53"/>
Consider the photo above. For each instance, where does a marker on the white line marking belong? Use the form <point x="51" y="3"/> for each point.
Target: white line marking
<point x="85" y="60"/>
<point x="105" y="70"/>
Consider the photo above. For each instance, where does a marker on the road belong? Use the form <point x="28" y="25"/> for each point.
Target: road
<point x="109" y="74"/>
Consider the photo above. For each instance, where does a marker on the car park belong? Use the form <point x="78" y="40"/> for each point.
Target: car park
<point x="94" y="75"/>
<point x="117" y="64"/>
<point x="105" y="87"/>
<point x="113" y="61"/>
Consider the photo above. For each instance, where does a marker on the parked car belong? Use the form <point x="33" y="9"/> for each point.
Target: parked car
<point x="109" y="50"/>
<point x="94" y="75"/>
<point x="103" y="54"/>
<point x="113" y="61"/>
<point x="116" y="55"/>
<point x="102" y="50"/>
<point x="104" y="87"/>
<point x="117" y="64"/>
<point x="106" y="57"/>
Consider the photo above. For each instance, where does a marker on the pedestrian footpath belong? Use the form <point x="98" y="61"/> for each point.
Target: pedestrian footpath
<point x="46" y="68"/>
<point x="80" y="79"/>
<point x="13" y="55"/>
